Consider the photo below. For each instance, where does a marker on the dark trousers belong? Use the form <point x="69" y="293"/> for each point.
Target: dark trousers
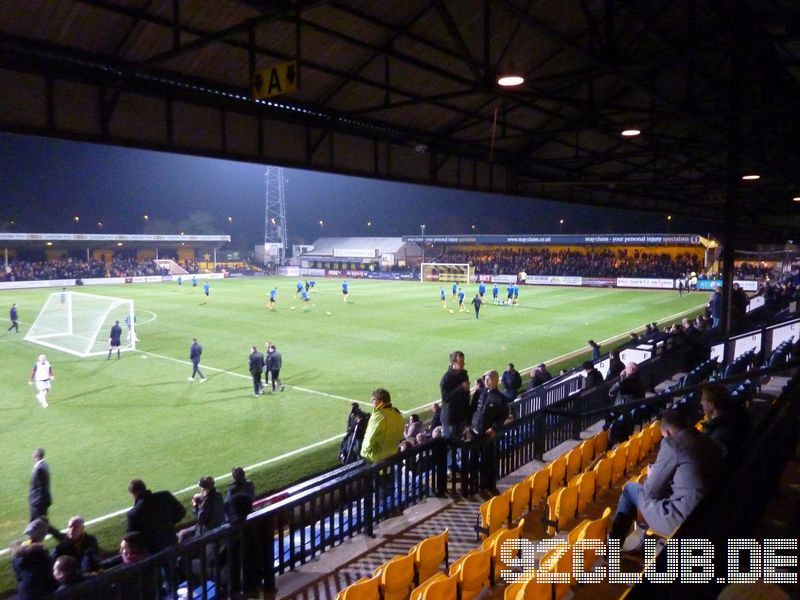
<point x="256" y="381"/>
<point x="275" y="373"/>
<point x="14" y="325"/>
<point x="196" y="369"/>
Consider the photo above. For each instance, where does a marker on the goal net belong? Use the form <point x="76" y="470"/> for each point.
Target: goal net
<point x="460" y="273"/>
<point x="80" y="323"/>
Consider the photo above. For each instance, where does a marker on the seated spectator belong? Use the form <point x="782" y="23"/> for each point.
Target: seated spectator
<point x="591" y="376"/>
<point x="629" y="387"/>
<point x="413" y="428"/>
<point x="540" y="375"/>
<point x="350" y="447"/>
<point x="512" y="382"/>
<point x="726" y="423"/>
<point x="208" y="506"/>
<point x="66" y="572"/>
<point x="615" y="365"/>
<point x="676" y="482"/>
<point x="436" y="418"/>
<point x="79" y="545"/>
<point x="133" y="548"/>
<point x="239" y="486"/>
<point x="32" y="564"/>
<point x="384" y="430"/>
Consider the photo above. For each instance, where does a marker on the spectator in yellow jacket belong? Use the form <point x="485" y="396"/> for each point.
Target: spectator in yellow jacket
<point x="384" y="429"/>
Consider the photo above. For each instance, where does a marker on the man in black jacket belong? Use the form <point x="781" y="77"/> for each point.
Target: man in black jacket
<point x="489" y="416"/>
<point x="256" y="367"/>
<point x="454" y="387"/>
<point x="540" y="375"/>
<point x="154" y="515"/>
<point x="728" y="424"/>
<point x="512" y="381"/>
<point x="39" y="499"/>
<point x="592" y="376"/>
<point x="274" y="364"/>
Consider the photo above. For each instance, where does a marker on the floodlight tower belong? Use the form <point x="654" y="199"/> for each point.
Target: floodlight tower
<point x="275" y="215"/>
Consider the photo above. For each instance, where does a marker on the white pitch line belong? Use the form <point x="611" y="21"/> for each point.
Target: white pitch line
<point x="222" y="477"/>
<point x="249" y="378"/>
<point x="573" y="353"/>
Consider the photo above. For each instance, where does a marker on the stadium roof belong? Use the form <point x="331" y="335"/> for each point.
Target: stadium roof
<point x="410" y="93"/>
<point x="384" y="245"/>
<point x="83" y="240"/>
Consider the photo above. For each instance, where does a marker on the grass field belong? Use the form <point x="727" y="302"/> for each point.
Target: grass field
<point x="110" y="421"/>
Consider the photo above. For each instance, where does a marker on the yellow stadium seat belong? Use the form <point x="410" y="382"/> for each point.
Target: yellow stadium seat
<point x="633" y="453"/>
<point x="645" y="442"/>
<point x="558" y="471"/>
<point x="429" y="555"/>
<point x="573" y="463"/>
<point x="563" y="564"/>
<point x="602" y="471"/>
<point x="534" y="590"/>
<point x="619" y="460"/>
<point x="397" y="577"/>
<point x="494" y="513"/>
<point x="495" y="544"/>
<point x="600" y="443"/>
<point x="472" y="572"/>
<point x="587" y="453"/>
<point x="366" y="588"/>
<point x="520" y="499"/>
<point x="576" y="532"/>
<point x="540" y="485"/>
<point x="655" y="432"/>
<point x="586" y="488"/>
<point x="437" y="587"/>
<point x="562" y="506"/>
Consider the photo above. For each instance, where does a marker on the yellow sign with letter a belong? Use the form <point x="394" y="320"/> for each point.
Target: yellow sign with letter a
<point x="276" y="80"/>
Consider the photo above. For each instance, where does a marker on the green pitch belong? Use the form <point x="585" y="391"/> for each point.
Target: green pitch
<point x="110" y="421"/>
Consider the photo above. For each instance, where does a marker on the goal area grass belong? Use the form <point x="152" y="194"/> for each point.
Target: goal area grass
<point x="110" y="421"/>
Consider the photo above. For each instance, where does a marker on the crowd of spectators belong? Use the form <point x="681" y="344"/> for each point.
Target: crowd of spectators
<point x="603" y="263"/>
<point x="74" y="268"/>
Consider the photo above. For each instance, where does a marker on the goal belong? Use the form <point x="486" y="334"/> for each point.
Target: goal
<point x="460" y="273"/>
<point x="79" y="323"/>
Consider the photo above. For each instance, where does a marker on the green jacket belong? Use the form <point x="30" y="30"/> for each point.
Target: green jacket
<point x="384" y="433"/>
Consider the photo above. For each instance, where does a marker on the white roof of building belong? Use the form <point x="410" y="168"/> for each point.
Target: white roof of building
<point x="384" y="245"/>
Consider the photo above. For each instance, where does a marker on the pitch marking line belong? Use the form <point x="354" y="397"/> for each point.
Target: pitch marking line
<point x="217" y="478"/>
<point x="249" y="378"/>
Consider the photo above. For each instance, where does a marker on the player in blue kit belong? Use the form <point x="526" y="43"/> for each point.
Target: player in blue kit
<point x="461" y="306"/>
<point x="206" y="288"/>
<point x="273" y="297"/>
<point x="482" y="290"/>
<point x="442" y="298"/>
<point x="509" y="293"/>
<point x="516" y="293"/>
<point x="194" y="281"/>
<point x="455" y="291"/>
<point x="345" y="290"/>
<point x="495" y="291"/>
<point x="299" y="289"/>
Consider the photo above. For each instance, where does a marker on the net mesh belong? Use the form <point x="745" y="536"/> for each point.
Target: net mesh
<point x="459" y="273"/>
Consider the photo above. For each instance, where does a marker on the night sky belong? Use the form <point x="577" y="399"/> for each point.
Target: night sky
<point x="45" y="183"/>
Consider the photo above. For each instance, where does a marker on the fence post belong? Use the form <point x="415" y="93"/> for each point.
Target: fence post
<point x="369" y="512"/>
<point x="440" y="467"/>
<point x="268" y="550"/>
<point x="538" y="437"/>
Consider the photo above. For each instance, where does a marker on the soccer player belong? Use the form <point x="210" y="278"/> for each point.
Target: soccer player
<point x="14" y="316"/>
<point x="442" y="298"/>
<point x="495" y="291"/>
<point x="516" y="293"/>
<point x="206" y="288"/>
<point x="461" y="306"/>
<point x="308" y="285"/>
<point x="455" y="291"/>
<point x="273" y="297"/>
<point x="345" y="290"/>
<point x="195" y="352"/>
<point x="63" y="295"/>
<point x="131" y="328"/>
<point x="509" y="293"/>
<point x="194" y="281"/>
<point x="304" y="297"/>
<point x="43" y="374"/>
<point x="482" y="290"/>
<point x="180" y="281"/>
<point x="114" y="339"/>
<point x="476" y="302"/>
<point x="299" y="288"/>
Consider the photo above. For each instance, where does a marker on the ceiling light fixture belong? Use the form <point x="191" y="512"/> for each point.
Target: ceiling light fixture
<point x="510" y="79"/>
<point x="630" y="132"/>
<point x="796" y="199"/>
<point x="751" y="176"/>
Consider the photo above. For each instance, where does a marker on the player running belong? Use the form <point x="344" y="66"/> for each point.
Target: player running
<point x="345" y="290"/>
<point x="461" y="306"/>
<point x="273" y="297"/>
<point x="299" y="289"/>
<point x="43" y="374"/>
<point x="482" y="290"/>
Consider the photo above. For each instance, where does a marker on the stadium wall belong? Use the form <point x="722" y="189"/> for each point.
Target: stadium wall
<point x="48" y="283"/>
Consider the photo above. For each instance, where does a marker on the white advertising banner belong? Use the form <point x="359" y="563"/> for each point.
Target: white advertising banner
<point x="289" y="271"/>
<point x="553" y="280"/>
<point x="643" y="282"/>
<point x="504" y="279"/>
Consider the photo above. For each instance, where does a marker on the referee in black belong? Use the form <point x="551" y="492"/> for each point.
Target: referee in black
<point x="114" y="339"/>
<point x="256" y="366"/>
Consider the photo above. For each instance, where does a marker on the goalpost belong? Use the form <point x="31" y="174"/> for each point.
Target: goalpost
<point x="79" y="323"/>
<point x="460" y="273"/>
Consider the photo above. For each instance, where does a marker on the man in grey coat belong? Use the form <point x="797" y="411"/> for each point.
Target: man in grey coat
<point x="682" y="474"/>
